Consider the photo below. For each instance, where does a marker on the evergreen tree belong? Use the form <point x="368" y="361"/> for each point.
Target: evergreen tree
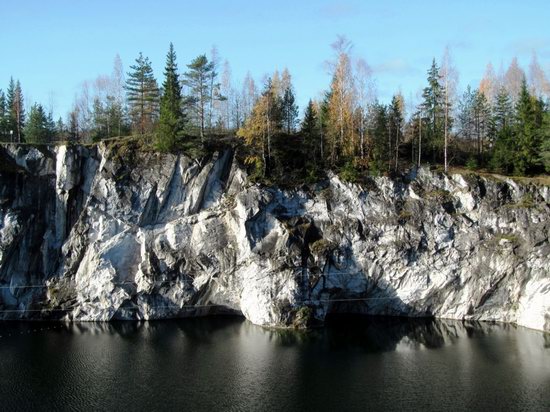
<point x="4" y="132"/>
<point x="16" y="110"/>
<point x="309" y="123"/>
<point x="434" y="108"/>
<point x="481" y="116"/>
<point x="545" y="142"/>
<point x="466" y="114"/>
<point x="143" y="94"/>
<point x="310" y="131"/>
<point x="197" y="78"/>
<point x="504" y="151"/>
<point x="39" y="128"/>
<point x="171" y="120"/>
<point x="73" y="129"/>
<point x="526" y="136"/>
<point x="396" y="128"/>
<point x="289" y="110"/>
<point x="10" y="101"/>
<point x="380" y="133"/>
<point x="60" y="130"/>
<point x="503" y="111"/>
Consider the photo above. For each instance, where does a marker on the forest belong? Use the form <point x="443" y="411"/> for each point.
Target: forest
<point x="502" y="125"/>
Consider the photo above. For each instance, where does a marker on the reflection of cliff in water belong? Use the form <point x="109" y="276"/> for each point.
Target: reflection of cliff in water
<point x="381" y="333"/>
<point x="341" y="332"/>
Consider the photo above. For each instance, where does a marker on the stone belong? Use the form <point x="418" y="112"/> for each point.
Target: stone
<point x="99" y="237"/>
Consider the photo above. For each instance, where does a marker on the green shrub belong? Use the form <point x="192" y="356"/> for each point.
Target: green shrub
<point x="471" y="163"/>
<point x="349" y="173"/>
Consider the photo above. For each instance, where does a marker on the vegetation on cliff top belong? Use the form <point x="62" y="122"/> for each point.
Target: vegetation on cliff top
<point x="503" y="126"/>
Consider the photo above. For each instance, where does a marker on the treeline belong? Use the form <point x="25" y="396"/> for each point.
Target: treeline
<point x="502" y="125"/>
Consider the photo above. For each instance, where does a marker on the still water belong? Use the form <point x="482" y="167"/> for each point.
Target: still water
<point x="229" y="364"/>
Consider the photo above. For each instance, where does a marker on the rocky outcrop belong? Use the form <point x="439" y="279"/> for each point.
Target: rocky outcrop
<point x="95" y="234"/>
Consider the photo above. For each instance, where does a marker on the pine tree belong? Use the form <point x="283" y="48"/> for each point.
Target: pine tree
<point x="172" y="119"/>
<point x="289" y="110"/>
<point x="197" y="78"/>
<point x="143" y="94"/>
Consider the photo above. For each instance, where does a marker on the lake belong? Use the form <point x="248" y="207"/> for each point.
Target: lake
<point x="226" y="363"/>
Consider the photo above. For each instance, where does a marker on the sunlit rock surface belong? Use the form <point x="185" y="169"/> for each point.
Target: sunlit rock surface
<point x="93" y="234"/>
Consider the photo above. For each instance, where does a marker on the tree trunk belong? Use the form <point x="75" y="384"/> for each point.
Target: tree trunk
<point x="419" y="140"/>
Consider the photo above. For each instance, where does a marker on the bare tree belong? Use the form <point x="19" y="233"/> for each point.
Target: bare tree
<point x="449" y="77"/>
<point x="538" y="82"/>
<point x="223" y="105"/>
<point x="249" y="94"/>
<point x="214" y="87"/>
<point x="366" y="95"/>
<point x="489" y="84"/>
<point x="512" y="80"/>
<point x="117" y="89"/>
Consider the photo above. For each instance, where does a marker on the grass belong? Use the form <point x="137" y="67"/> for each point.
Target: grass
<point x="539" y="180"/>
<point x="526" y="202"/>
<point x="440" y="195"/>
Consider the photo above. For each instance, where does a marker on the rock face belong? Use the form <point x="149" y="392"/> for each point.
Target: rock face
<point x="93" y="234"/>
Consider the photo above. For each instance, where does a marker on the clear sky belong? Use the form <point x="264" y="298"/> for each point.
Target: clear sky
<point x="52" y="46"/>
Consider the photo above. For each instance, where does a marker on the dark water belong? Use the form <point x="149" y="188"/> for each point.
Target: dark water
<point x="229" y="364"/>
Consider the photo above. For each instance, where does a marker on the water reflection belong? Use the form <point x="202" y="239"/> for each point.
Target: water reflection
<point x="228" y="363"/>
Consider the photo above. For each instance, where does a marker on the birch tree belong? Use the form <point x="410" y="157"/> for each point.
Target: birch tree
<point x="513" y="79"/>
<point x="489" y="84"/>
<point x="538" y="82"/>
<point x="449" y="79"/>
<point x="340" y="105"/>
<point x="365" y="96"/>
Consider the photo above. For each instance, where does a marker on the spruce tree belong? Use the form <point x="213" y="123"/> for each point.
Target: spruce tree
<point x="309" y="123"/>
<point x="60" y="130"/>
<point x="545" y="142"/>
<point x="434" y="108"/>
<point x="503" y="111"/>
<point x="396" y="128"/>
<point x="526" y="136"/>
<point x="4" y="132"/>
<point x="16" y="109"/>
<point x="143" y="94"/>
<point x="39" y="128"/>
<point x="310" y="131"/>
<point x="380" y="150"/>
<point x="481" y="120"/>
<point x="289" y="110"/>
<point x="171" y="120"/>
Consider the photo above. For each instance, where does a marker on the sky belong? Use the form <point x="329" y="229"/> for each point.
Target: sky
<point x="53" y="46"/>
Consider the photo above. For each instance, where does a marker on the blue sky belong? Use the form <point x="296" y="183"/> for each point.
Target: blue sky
<point x="52" y="46"/>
